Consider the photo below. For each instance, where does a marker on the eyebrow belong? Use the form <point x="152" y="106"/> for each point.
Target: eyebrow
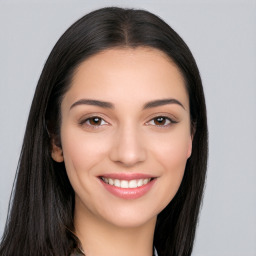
<point x="104" y="104"/>
<point x="98" y="103"/>
<point x="158" y="103"/>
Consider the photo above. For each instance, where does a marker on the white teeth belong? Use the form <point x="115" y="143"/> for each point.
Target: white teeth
<point x="117" y="183"/>
<point x="145" y="181"/>
<point x="140" y="183"/>
<point x="133" y="184"/>
<point x="126" y="183"/>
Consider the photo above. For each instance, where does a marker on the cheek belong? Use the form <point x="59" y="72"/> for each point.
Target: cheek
<point x="173" y="150"/>
<point x="173" y="158"/>
<point x="172" y="154"/>
<point x="176" y="153"/>
<point x="81" y="153"/>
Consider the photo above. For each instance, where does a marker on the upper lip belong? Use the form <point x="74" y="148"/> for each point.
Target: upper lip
<point x="127" y="176"/>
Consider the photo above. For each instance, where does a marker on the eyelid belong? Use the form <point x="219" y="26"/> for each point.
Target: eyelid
<point x="82" y="121"/>
<point x="171" y="118"/>
<point x="164" y="114"/>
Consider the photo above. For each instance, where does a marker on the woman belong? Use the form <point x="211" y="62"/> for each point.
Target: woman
<point x="115" y="151"/>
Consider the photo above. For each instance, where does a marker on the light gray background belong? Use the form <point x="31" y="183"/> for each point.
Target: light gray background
<point x="222" y="37"/>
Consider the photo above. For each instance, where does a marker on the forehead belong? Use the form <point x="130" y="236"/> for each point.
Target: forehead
<point x="128" y="75"/>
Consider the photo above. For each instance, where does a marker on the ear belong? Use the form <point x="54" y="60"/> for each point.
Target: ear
<point x="192" y="133"/>
<point x="189" y="147"/>
<point x="57" y="153"/>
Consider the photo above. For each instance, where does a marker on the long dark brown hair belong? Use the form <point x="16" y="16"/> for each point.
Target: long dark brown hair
<point x="40" y="219"/>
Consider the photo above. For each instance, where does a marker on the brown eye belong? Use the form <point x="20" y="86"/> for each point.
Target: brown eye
<point x="161" y="121"/>
<point x="94" y="121"/>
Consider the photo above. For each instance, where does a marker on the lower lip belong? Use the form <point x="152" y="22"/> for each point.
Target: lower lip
<point x="129" y="193"/>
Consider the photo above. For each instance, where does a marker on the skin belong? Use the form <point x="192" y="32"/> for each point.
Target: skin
<point x="127" y="139"/>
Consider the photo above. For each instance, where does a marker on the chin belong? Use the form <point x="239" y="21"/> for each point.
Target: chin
<point x="130" y="216"/>
<point x="131" y="222"/>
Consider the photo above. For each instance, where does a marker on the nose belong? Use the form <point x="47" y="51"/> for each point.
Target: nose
<point x="128" y="148"/>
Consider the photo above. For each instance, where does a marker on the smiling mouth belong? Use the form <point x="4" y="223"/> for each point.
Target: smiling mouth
<point x="126" y="183"/>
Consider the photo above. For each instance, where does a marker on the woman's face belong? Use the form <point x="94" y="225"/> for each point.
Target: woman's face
<point x="125" y="135"/>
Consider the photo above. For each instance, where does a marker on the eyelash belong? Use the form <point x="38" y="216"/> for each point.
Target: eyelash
<point x="99" y="119"/>
<point x="93" y="118"/>
<point x="162" y="118"/>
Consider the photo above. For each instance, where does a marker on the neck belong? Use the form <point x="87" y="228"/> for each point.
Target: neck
<point x="99" y="237"/>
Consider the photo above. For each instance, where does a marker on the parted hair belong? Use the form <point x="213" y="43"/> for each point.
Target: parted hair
<point x="40" y="216"/>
